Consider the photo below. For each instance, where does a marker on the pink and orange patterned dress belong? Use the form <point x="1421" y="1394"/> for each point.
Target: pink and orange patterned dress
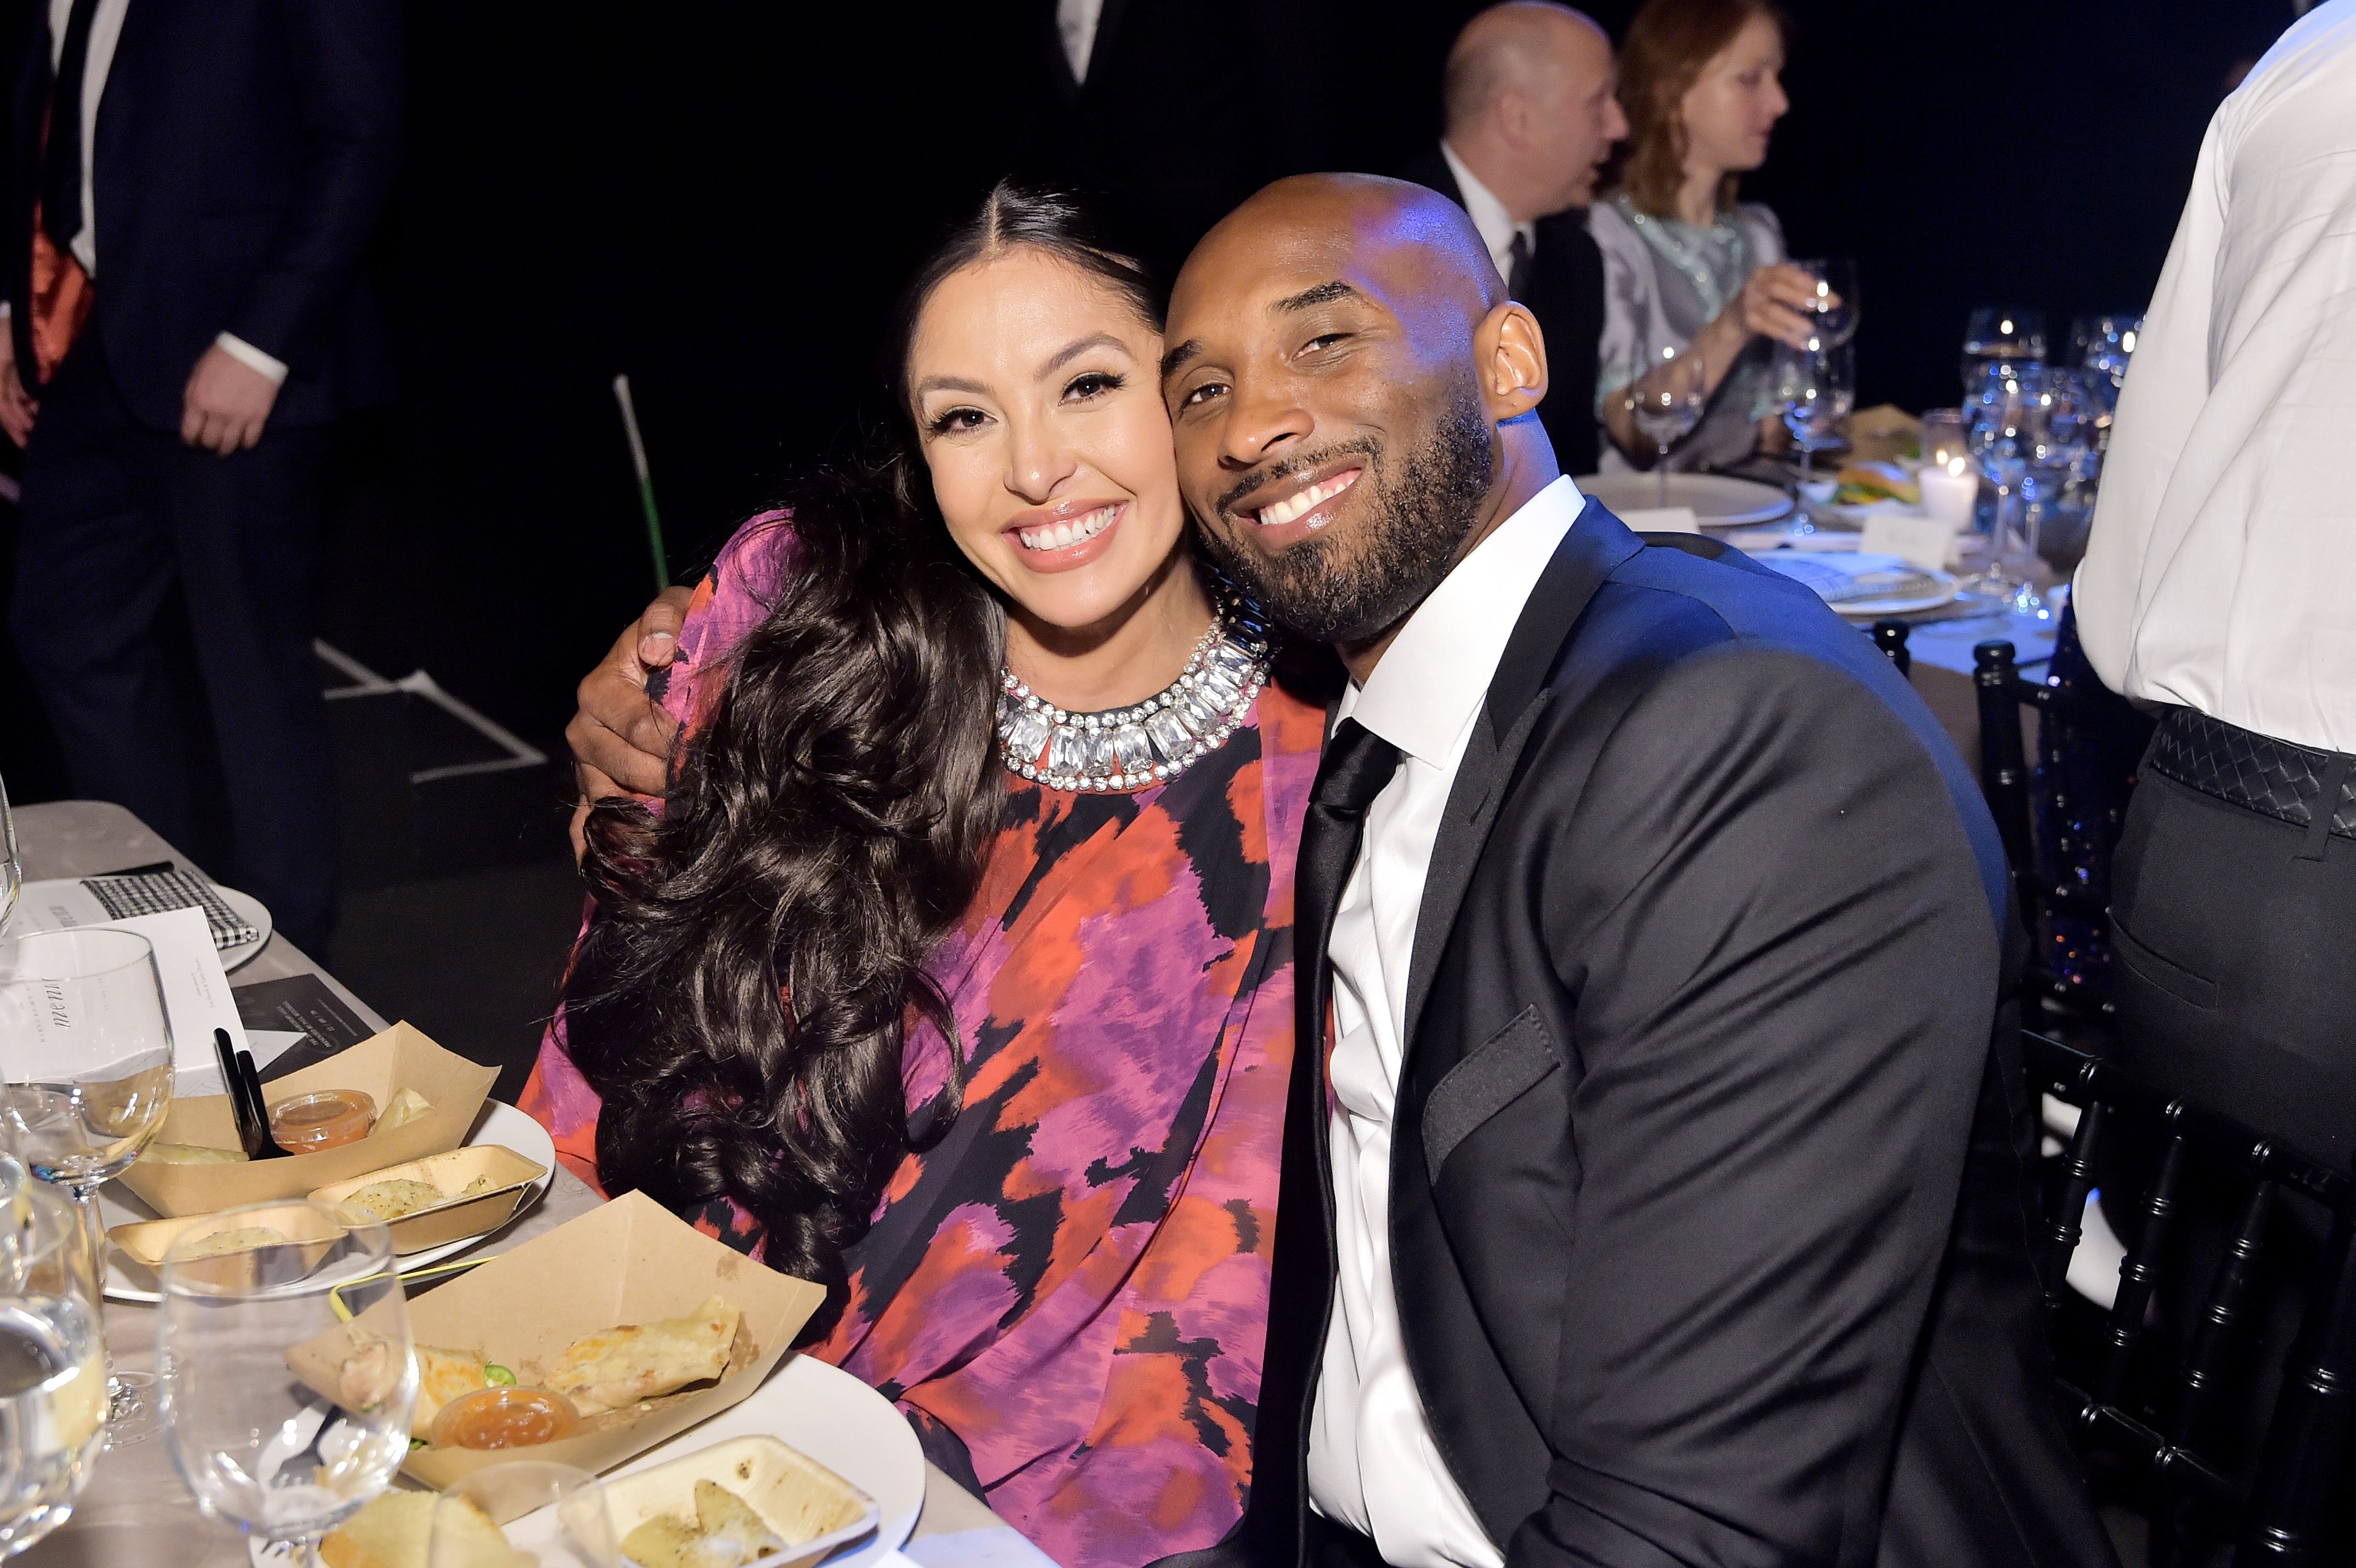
<point x="1067" y="1294"/>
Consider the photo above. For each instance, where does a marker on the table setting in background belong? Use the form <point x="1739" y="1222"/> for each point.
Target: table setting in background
<point x="1963" y="524"/>
<point x="315" y="1281"/>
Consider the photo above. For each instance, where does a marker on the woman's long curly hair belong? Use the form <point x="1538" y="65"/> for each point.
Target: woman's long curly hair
<point x="757" y="958"/>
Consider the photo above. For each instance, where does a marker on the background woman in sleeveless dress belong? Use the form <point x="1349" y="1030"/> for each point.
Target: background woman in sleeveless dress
<point x="1685" y="265"/>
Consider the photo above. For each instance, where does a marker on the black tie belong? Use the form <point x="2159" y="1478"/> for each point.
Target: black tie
<point x="61" y="159"/>
<point x="1357" y="764"/>
<point x="1517" y="272"/>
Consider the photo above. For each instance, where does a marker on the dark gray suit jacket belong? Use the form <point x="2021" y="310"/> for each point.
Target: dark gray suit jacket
<point x="1710" y="1217"/>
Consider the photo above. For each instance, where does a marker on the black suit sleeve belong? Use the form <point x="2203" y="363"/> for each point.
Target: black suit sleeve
<point x="347" y="73"/>
<point x="1784" y="962"/>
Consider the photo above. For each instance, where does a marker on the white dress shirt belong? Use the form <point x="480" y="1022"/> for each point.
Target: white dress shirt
<point x="105" y="32"/>
<point x="1373" y="1464"/>
<point x="2221" y="573"/>
<point x="1489" y="216"/>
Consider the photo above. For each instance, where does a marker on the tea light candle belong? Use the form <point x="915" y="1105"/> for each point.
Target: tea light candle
<point x="1951" y="489"/>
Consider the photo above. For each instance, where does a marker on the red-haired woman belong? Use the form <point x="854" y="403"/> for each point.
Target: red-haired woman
<point x="1685" y="267"/>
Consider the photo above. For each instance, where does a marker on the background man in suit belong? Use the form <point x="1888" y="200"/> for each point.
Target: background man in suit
<point x="1673" y="1205"/>
<point x="1530" y="117"/>
<point x="196" y="182"/>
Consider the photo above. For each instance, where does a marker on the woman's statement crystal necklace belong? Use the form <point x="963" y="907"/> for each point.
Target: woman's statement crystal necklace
<point x="1157" y="739"/>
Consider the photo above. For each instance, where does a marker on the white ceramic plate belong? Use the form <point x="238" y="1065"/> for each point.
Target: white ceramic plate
<point x="836" y="1420"/>
<point x="256" y="914"/>
<point x="1718" y="500"/>
<point x="499" y="1124"/>
<point x="1822" y="571"/>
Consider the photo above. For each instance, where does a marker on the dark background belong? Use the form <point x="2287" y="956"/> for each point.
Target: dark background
<point x="719" y="199"/>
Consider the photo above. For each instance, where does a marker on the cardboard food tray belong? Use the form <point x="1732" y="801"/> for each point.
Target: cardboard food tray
<point x="400" y="1058"/>
<point x="147" y="1242"/>
<point x="629" y="1261"/>
<point x="454" y="1219"/>
<point x="812" y="1507"/>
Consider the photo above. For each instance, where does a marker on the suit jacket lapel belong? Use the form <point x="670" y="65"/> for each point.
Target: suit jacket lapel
<point x="1596" y="543"/>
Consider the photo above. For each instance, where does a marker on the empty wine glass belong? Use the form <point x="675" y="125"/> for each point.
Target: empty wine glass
<point x="2002" y="337"/>
<point x="285" y="1376"/>
<point x="1667" y="402"/>
<point x="1814" y="389"/>
<point x="12" y="867"/>
<point x="552" y="1516"/>
<point x="1837" y="301"/>
<point x="52" y="1362"/>
<point x="2009" y="416"/>
<point x="88" y="1053"/>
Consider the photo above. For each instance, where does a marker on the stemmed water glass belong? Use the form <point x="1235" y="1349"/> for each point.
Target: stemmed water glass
<point x="52" y="1362"/>
<point x="1815" y="388"/>
<point x="285" y="1373"/>
<point x="88" y="1052"/>
<point x="2009" y="416"/>
<point x="1838" y="303"/>
<point x="1667" y="402"/>
<point x="12" y="867"/>
<point x="2000" y="337"/>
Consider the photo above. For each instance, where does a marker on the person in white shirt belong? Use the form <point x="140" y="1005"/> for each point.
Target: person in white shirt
<point x="1657" y="1200"/>
<point x="1529" y="117"/>
<point x="2219" y="586"/>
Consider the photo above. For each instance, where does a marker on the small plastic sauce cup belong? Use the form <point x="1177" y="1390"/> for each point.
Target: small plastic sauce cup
<point x="329" y="1119"/>
<point x="504" y="1417"/>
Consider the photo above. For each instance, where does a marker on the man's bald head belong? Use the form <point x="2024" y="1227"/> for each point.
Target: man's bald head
<point x="1352" y="395"/>
<point x="1388" y="225"/>
<point x="1528" y="104"/>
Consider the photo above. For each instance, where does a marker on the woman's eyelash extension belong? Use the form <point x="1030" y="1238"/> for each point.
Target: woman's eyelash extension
<point x="943" y="423"/>
<point x="1108" y="381"/>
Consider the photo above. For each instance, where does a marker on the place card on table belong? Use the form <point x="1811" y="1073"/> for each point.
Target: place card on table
<point x="197" y="998"/>
<point x="1928" y="543"/>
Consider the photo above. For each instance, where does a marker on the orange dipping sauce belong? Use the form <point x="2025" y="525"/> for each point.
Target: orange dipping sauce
<point x="329" y="1119"/>
<point x="504" y="1417"/>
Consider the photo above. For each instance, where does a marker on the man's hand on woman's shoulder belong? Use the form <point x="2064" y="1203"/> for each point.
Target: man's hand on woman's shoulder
<point x="621" y="737"/>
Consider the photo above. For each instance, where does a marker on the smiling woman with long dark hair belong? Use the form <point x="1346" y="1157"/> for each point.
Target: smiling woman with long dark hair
<point x="955" y="970"/>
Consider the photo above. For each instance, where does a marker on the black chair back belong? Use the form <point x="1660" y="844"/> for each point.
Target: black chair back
<point x="2149" y="1406"/>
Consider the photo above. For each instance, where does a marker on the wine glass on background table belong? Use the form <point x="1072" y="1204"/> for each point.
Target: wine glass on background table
<point x="1999" y="338"/>
<point x="550" y="1516"/>
<point x="2009" y="416"/>
<point x="52" y="1361"/>
<point x="285" y="1375"/>
<point x="12" y="866"/>
<point x="1667" y="402"/>
<point x="87" y="1051"/>
<point x="1837" y="301"/>
<point x="1815" y="388"/>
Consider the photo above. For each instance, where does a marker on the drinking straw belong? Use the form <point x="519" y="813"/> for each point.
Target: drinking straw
<point x="646" y="482"/>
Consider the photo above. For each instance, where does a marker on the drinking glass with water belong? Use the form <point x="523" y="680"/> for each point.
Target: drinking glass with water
<point x="52" y="1359"/>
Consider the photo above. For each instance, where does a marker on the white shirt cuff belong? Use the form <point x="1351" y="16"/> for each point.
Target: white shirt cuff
<point x="252" y="358"/>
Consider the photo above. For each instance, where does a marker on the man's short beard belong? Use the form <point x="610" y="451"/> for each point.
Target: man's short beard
<point x="1350" y="590"/>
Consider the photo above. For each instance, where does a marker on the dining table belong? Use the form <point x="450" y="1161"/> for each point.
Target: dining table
<point x="135" y="1509"/>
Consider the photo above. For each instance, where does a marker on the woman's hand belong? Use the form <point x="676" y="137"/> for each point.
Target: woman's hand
<point x="1777" y="302"/>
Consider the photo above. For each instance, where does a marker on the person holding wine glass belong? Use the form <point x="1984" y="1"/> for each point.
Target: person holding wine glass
<point x="1685" y="267"/>
<point x="86" y="1052"/>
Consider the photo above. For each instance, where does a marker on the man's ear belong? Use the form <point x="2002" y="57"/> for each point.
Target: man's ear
<point x="1511" y="353"/>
